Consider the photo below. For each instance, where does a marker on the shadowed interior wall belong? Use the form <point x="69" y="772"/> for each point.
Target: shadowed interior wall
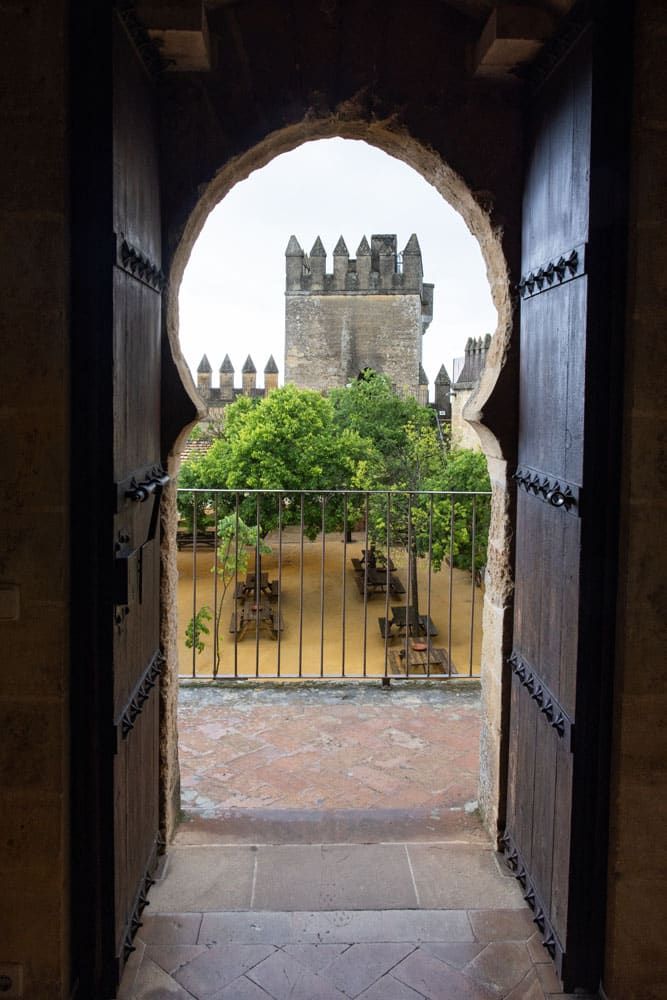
<point x="34" y="421"/>
<point x="636" y="966"/>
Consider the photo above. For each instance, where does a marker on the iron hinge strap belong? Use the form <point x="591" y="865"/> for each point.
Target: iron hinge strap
<point x="548" y="704"/>
<point x="517" y="866"/>
<point x="552" y="490"/>
<point x="135" y="705"/>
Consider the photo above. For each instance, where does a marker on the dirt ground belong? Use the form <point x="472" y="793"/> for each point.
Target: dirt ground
<point x="322" y="640"/>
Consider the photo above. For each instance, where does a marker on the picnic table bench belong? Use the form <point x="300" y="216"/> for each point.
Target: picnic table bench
<point x="247" y="588"/>
<point x="405" y="620"/>
<point x="375" y="582"/>
<point x="433" y="661"/>
<point x="260" y="615"/>
<point x="377" y="563"/>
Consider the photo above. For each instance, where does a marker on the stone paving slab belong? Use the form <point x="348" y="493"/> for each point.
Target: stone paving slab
<point x="258" y="761"/>
<point x="341" y="955"/>
<point x="451" y="876"/>
<point x="460" y="876"/>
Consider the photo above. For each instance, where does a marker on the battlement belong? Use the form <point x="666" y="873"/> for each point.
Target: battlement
<point x="378" y="268"/>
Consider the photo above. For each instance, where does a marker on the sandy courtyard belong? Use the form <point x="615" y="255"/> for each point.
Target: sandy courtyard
<point x="333" y="635"/>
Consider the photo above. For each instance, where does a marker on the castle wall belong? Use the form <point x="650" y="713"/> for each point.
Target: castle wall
<point x="329" y="338"/>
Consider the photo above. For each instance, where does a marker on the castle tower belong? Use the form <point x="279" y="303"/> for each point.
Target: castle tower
<point x="422" y="392"/>
<point x="368" y="313"/>
<point x="204" y="376"/>
<point x="227" y="380"/>
<point x="443" y="401"/>
<point x="270" y="375"/>
<point x="248" y="377"/>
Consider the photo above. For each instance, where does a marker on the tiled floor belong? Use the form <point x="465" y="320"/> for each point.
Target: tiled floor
<point x="476" y="954"/>
<point x="331" y="850"/>
<point x="282" y="762"/>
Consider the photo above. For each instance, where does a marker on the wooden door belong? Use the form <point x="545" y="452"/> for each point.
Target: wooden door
<point x="138" y="479"/>
<point x="554" y="838"/>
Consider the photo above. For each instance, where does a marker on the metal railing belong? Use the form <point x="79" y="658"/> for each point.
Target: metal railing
<point x="317" y="585"/>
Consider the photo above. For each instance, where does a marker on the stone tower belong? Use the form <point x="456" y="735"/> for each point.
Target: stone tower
<point x="443" y="384"/>
<point x="370" y="312"/>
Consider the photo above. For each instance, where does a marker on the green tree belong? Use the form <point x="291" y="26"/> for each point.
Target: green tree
<point x="372" y="408"/>
<point x="287" y="441"/>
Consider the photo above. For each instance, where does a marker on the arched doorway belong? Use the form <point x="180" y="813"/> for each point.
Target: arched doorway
<point x="455" y="192"/>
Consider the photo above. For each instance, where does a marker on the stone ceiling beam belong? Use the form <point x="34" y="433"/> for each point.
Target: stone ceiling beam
<point x="512" y="36"/>
<point x="180" y="30"/>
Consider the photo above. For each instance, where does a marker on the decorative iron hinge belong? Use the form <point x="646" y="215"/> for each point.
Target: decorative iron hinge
<point x="140" y="695"/>
<point x="516" y="865"/>
<point x="557" y="493"/>
<point x="548" y="704"/>
<point x="131" y="260"/>
<point x="140" y="903"/>
<point x="553" y="273"/>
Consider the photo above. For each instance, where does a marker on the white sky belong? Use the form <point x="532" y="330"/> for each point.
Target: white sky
<point x="232" y="294"/>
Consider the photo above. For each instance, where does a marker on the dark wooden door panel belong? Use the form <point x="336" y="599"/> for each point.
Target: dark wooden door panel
<point x="137" y="315"/>
<point x="137" y="283"/>
<point x="551" y="452"/>
<point x="556" y="191"/>
<point x="552" y="380"/>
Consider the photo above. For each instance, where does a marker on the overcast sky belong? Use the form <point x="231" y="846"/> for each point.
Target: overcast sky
<point x="232" y="295"/>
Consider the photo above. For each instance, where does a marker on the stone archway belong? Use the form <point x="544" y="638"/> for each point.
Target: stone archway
<point x="495" y="394"/>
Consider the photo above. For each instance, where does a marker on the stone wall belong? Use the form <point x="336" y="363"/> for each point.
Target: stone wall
<point x="636" y="963"/>
<point x="34" y="417"/>
<point x="463" y="434"/>
<point x="329" y="339"/>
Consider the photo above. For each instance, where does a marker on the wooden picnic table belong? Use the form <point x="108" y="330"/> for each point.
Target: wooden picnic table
<point x="374" y="581"/>
<point x="261" y="615"/>
<point x="375" y="560"/>
<point x="433" y="661"/>
<point x="248" y="588"/>
<point x="406" y="620"/>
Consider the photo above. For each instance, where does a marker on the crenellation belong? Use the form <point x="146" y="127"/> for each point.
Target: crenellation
<point x="370" y="312"/>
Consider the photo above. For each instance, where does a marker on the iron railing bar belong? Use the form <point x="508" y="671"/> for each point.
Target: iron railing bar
<point x="472" y="575"/>
<point x="365" y="584"/>
<point x="429" y="640"/>
<point x="451" y="585"/>
<point x="236" y="586"/>
<point x="216" y="621"/>
<point x="258" y="587"/>
<point x="344" y="589"/>
<point x="301" y="590"/>
<point x="387" y="588"/>
<point x="341" y="492"/>
<point x="194" y="586"/>
<point x="280" y="576"/>
<point x="322" y="562"/>
<point x="412" y="568"/>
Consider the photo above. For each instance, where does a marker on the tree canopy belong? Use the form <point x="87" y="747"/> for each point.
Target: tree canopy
<point x="365" y="436"/>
